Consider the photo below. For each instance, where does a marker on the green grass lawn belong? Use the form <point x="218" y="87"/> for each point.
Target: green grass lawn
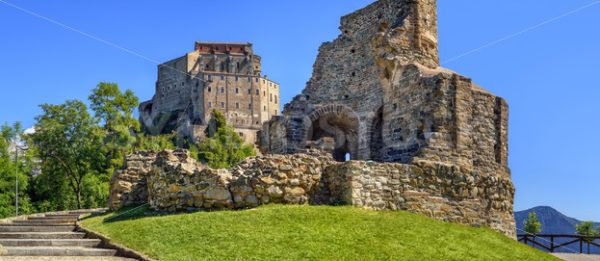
<point x="306" y="233"/>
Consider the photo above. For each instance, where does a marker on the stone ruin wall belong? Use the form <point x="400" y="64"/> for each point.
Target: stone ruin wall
<point x="128" y="186"/>
<point x="379" y="92"/>
<point x="176" y="182"/>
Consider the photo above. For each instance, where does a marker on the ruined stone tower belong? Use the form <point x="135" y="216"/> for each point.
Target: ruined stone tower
<point x="378" y="93"/>
<point x="215" y="76"/>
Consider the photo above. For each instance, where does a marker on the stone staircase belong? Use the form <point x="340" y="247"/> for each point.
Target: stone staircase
<point x="49" y="238"/>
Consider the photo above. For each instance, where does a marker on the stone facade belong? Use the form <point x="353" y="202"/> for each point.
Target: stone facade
<point x="176" y="182"/>
<point x="222" y="76"/>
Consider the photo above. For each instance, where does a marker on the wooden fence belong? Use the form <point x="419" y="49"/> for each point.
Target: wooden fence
<point x="547" y="241"/>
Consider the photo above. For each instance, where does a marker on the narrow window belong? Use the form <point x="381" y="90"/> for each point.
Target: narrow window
<point x="257" y="92"/>
<point x="237" y="105"/>
<point x="249" y="91"/>
<point x="270" y="97"/>
<point x="222" y="90"/>
<point x="237" y="90"/>
<point x="222" y="77"/>
<point x="249" y="79"/>
<point x="276" y="99"/>
<point x="249" y="106"/>
<point x="237" y="78"/>
<point x="209" y="89"/>
<point x="264" y="93"/>
<point x="265" y="108"/>
<point x="209" y="104"/>
<point x="210" y="77"/>
<point x="222" y="105"/>
<point x="256" y="79"/>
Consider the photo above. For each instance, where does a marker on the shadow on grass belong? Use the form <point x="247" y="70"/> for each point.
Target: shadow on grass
<point x="142" y="211"/>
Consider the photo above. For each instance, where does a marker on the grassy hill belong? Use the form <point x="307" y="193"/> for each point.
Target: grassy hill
<point x="306" y="233"/>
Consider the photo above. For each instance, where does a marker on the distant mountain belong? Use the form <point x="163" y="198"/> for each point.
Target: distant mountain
<point x="553" y="222"/>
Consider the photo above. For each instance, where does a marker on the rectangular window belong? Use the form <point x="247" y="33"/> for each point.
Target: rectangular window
<point x="270" y="97"/>
<point x="222" y="105"/>
<point x="249" y="91"/>
<point x="209" y="104"/>
<point x="237" y="105"/>
<point x="265" y="108"/>
<point x="249" y="106"/>
<point x="237" y="90"/>
<point x="222" y="90"/>
<point x="275" y="98"/>
<point x="257" y="92"/>
<point x="210" y="77"/>
<point x="237" y="78"/>
<point x="256" y="79"/>
<point x="222" y="77"/>
<point x="249" y="79"/>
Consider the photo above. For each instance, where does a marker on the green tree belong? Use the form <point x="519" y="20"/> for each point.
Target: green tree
<point x="10" y="170"/>
<point x="587" y="230"/>
<point x="69" y="144"/>
<point x="532" y="225"/>
<point x="155" y="142"/>
<point x="114" y="110"/>
<point x="222" y="147"/>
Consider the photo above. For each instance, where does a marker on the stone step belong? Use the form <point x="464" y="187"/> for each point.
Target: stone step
<point x="50" y="242"/>
<point x="53" y="218"/>
<point x="49" y="222"/>
<point x="58" y="251"/>
<point x="20" y="228"/>
<point x="65" y="258"/>
<point x="42" y="235"/>
<point x="63" y="216"/>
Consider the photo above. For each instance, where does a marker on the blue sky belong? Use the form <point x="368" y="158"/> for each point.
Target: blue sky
<point x="548" y="75"/>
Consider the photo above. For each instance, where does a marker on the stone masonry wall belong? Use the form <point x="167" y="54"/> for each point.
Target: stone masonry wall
<point x="128" y="186"/>
<point x="434" y="189"/>
<point x="176" y="182"/>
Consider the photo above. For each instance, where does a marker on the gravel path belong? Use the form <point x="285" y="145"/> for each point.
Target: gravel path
<point x="577" y="257"/>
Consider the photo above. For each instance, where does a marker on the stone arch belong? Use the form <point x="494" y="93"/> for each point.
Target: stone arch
<point x="333" y="128"/>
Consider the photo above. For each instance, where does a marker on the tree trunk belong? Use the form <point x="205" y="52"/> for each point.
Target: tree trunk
<point x="78" y="193"/>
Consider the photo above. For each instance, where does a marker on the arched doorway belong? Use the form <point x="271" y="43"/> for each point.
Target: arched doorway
<point x="334" y="128"/>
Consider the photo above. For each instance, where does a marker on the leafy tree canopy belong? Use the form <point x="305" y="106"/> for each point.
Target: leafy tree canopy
<point x="222" y="147"/>
<point x="532" y="225"/>
<point x="69" y="143"/>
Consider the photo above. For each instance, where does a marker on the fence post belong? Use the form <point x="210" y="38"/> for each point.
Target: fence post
<point x="580" y="245"/>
